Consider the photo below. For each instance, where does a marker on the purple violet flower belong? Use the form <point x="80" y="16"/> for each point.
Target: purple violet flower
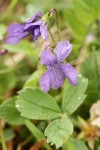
<point x="57" y="71"/>
<point x="34" y="26"/>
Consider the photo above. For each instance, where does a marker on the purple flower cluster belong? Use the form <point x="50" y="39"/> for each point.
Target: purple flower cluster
<point x="34" y="26"/>
<point x="57" y="71"/>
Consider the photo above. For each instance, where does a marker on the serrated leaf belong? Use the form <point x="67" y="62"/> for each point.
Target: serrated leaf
<point x="74" y="96"/>
<point x="36" y="133"/>
<point x="58" y="131"/>
<point x="9" y="113"/>
<point x="75" y="144"/>
<point x="35" y="104"/>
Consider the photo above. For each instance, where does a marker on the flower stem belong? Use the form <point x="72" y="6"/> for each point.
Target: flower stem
<point x="96" y="70"/>
<point x="57" y="24"/>
<point x="52" y="37"/>
<point x="2" y="139"/>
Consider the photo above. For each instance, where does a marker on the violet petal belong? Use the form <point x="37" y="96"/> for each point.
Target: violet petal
<point x="15" y="39"/>
<point x="63" y="49"/>
<point x="44" y="31"/>
<point x="45" y="81"/>
<point x="57" y="77"/>
<point x="15" y="28"/>
<point x="36" y="34"/>
<point x="34" y="17"/>
<point x="47" y="57"/>
<point x="70" y="72"/>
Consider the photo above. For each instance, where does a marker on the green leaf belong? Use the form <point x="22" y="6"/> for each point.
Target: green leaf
<point x="8" y="80"/>
<point x="90" y="68"/>
<point x="24" y="47"/>
<point x="3" y="29"/>
<point x="35" y="104"/>
<point x="9" y="134"/>
<point x="75" y="144"/>
<point x="84" y="10"/>
<point x="32" y="80"/>
<point x="58" y="131"/>
<point x="87" y="9"/>
<point x="99" y="147"/>
<point x="9" y="113"/>
<point x="36" y="133"/>
<point x="77" y="27"/>
<point x="74" y="96"/>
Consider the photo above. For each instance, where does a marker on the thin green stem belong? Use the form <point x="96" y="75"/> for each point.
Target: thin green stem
<point x="2" y="139"/>
<point x="10" y="9"/>
<point x="96" y="70"/>
<point x="52" y="37"/>
<point x="57" y="23"/>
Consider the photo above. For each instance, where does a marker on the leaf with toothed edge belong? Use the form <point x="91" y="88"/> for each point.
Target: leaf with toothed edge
<point x="33" y="103"/>
<point x="9" y="113"/>
<point x="73" y="97"/>
<point x="58" y="131"/>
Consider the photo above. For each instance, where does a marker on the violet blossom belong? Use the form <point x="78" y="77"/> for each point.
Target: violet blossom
<point x="35" y="26"/>
<point x="57" y="71"/>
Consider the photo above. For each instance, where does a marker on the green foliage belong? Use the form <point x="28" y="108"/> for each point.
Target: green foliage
<point x="88" y="11"/>
<point x="3" y="29"/>
<point x="73" y="97"/>
<point x="32" y="80"/>
<point x="77" y="27"/>
<point x="36" y="133"/>
<point x="9" y="113"/>
<point x="8" y="80"/>
<point x="58" y="131"/>
<point x="46" y="5"/>
<point x="99" y="148"/>
<point x="9" y="10"/>
<point x="32" y="103"/>
<point x="82" y="17"/>
<point x="35" y="104"/>
<point x="75" y="144"/>
<point x="91" y="69"/>
<point x="24" y="47"/>
<point x="83" y="20"/>
<point x="9" y="134"/>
